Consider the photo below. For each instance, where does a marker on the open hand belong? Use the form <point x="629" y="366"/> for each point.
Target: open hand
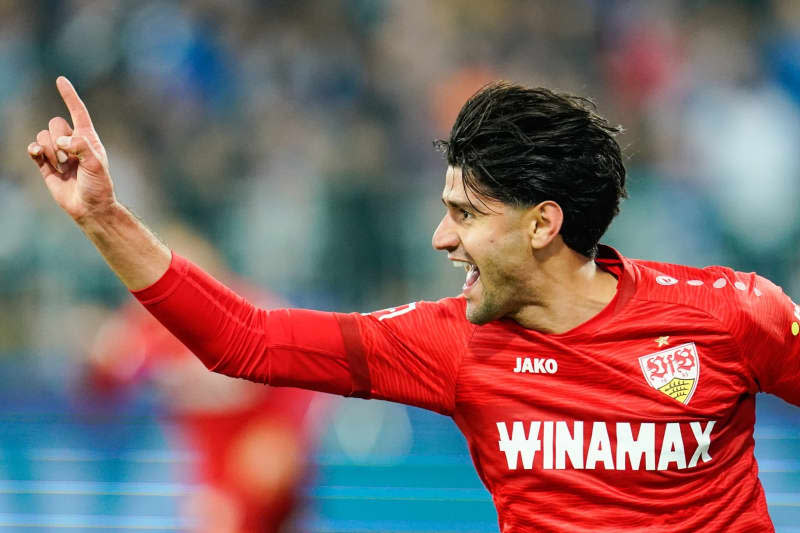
<point x="72" y="160"/>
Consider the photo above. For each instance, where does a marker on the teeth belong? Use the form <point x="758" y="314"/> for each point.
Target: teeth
<point x="461" y="264"/>
<point x="472" y="276"/>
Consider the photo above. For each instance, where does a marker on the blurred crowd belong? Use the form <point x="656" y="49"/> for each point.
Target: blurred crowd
<point x="296" y="136"/>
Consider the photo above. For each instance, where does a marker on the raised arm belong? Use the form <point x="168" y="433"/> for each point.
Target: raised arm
<point x="409" y="355"/>
<point x="74" y="165"/>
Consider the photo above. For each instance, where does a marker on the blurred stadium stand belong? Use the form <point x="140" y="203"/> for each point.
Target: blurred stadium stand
<point x="296" y="135"/>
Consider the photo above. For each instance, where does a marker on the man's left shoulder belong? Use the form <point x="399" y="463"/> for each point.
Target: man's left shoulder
<point x="718" y="290"/>
<point x="681" y="277"/>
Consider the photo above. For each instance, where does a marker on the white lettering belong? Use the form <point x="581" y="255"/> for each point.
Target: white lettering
<point x="672" y="448"/>
<point x="394" y="313"/>
<point x="537" y="366"/>
<point x="703" y="438"/>
<point x="527" y="366"/>
<point x="557" y="441"/>
<point x="599" y="448"/>
<point x="644" y="444"/>
<point x="566" y="444"/>
<point x="547" y="446"/>
<point x="519" y="444"/>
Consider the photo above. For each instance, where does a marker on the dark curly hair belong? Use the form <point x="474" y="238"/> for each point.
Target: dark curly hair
<point x="523" y="146"/>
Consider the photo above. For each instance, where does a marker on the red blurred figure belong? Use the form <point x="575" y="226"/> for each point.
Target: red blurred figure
<point x="252" y="441"/>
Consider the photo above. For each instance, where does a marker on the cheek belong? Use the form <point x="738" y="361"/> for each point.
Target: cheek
<point x="478" y="242"/>
<point x="499" y="251"/>
<point x="487" y="240"/>
<point x="511" y="258"/>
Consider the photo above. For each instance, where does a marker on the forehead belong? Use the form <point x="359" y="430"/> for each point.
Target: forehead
<point x="456" y="193"/>
<point x="454" y="189"/>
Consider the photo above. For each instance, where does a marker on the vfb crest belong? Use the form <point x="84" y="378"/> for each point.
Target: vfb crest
<point x="674" y="371"/>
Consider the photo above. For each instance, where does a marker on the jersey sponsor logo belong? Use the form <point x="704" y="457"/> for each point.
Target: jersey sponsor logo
<point x="559" y="445"/>
<point x="536" y="365"/>
<point x="674" y="371"/>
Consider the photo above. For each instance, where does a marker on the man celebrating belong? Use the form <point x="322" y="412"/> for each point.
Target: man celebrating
<point x="596" y="393"/>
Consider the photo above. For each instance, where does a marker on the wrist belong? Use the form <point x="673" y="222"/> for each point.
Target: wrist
<point x="132" y="251"/>
<point x="102" y="216"/>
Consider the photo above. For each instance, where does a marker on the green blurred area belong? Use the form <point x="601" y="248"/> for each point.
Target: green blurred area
<point x="296" y="136"/>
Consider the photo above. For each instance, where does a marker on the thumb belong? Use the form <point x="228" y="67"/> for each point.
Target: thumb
<point x="89" y="159"/>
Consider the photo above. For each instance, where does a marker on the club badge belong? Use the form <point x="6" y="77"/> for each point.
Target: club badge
<point x="674" y="371"/>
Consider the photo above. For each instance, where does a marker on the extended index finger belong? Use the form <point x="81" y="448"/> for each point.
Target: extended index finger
<point x="77" y="109"/>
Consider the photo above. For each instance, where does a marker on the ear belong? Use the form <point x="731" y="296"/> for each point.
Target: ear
<point x="547" y="218"/>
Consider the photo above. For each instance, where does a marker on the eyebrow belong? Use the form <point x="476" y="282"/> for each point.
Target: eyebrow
<point x="457" y="205"/>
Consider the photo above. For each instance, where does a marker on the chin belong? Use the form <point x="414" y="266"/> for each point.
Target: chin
<point x="479" y="315"/>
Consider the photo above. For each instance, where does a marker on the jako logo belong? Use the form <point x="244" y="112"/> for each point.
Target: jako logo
<point x="537" y="366"/>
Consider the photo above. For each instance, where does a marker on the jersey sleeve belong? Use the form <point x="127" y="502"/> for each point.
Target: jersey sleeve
<point x="411" y="353"/>
<point x="408" y="355"/>
<point x="767" y="328"/>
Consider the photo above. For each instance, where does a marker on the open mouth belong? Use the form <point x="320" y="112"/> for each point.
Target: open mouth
<point x="472" y="276"/>
<point x="473" y="273"/>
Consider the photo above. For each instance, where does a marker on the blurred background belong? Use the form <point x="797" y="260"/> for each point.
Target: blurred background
<point x="290" y="144"/>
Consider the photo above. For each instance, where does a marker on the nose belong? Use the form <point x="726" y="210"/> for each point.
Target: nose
<point x="445" y="237"/>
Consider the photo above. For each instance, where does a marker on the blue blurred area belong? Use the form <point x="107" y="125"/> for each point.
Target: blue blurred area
<point x="69" y="466"/>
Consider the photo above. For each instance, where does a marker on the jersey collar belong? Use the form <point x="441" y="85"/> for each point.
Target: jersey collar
<point x="610" y="260"/>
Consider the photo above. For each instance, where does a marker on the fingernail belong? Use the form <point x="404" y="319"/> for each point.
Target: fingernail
<point x="36" y="150"/>
<point x="63" y="142"/>
<point x="62" y="157"/>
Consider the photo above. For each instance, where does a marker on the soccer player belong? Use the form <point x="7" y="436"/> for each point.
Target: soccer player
<point x="251" y="443"/>
<point x="596" y="392"/>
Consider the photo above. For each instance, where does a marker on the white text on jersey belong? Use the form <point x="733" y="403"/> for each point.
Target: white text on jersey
<point x="538" y="366"/>
<point x="556" y="442"/>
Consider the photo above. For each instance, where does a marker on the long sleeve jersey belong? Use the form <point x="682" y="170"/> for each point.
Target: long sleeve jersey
<point x="639" y="419"/>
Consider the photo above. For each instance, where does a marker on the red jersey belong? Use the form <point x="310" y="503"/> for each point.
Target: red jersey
<point x="640" y="418"/>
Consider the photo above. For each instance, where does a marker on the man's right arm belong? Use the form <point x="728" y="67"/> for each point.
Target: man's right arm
<point x="403" y="356"/>
<point x="225" y="331"/>
<point x="409" y="355"/>
<point x="74" y="166"/>
<point x="231" y="336"/>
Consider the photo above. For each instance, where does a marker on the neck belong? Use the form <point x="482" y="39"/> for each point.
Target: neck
<point x="570" y="289"/>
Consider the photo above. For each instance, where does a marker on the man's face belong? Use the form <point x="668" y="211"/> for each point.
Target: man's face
<point x="492" y="241"/>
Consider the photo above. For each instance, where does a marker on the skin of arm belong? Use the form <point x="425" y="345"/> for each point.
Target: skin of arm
<point x="74" y="166"/>
<point x="133" y="252"/>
